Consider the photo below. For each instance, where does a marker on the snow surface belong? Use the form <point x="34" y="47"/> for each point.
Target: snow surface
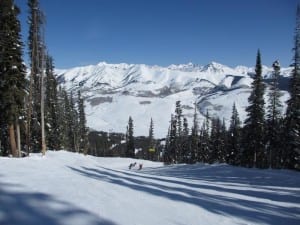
<point x="64" y="188"/>
<point x="113" y="92"/>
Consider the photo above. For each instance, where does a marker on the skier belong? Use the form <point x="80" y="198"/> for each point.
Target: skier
<point x="140" y="166"/>
<point x="131" y="165"/>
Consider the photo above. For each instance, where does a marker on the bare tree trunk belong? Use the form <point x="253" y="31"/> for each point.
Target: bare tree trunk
<point x="42" y="114"/>
<point x="29" y="114"/>
<point x="18" y="139"/>
<point x="43" y="66"/>
<point x="12" y="140"/>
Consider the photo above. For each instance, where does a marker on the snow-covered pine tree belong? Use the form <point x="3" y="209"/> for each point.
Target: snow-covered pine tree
<point x="274" y="120"/>
<point x="12" y="72"/>
<point x="291" y="156"/>
<point x="254" y="148"/>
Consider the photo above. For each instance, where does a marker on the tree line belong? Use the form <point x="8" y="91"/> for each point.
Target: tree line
<point x="36" y="114"/>
<point x="268" y="138"/>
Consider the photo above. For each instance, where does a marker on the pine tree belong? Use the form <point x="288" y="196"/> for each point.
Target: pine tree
<point x="186" y="154"/>
<point x="178" y="117"/>
<point x="217" y="149"/>
<point x="179" y="140"/>
<point x="74" y="127"/>
<point x="166" y="151"/>
<point x="67" y="140"/>
<point x="171" y="140"/>
<point x="194" y="148"/>
<point x="12" y="72"/>
<point x="61" y="117"/>
<point x="130" y="149"/>
<point x="52" y="107"/>
<point x="234" y="138"/>
<point x="82" y="128"/>
<point x="224" y="142"/>
<point x="35" y="130"/>
<point x="291" y="156"/>
<point x="151" y="149"/>
<point x="254" y="151"/>
<point x="204" y="146"/>
<point x="274" y="118"/>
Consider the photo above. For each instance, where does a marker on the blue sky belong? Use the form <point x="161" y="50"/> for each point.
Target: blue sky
<point x="164" y="32"/>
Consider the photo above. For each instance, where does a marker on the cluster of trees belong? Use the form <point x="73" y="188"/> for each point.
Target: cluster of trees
<point x="35" y="112"/>
<point x="141" y="147"/>
<point x="268" y="139"/>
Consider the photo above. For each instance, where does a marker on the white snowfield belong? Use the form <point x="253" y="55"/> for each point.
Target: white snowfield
<point x="65" y="188"/>
<point x="113" y="92"/>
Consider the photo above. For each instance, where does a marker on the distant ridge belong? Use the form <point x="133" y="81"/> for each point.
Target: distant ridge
<point x="113" y="92"/>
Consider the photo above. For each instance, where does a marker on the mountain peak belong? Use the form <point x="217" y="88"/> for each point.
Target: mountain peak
<point x="214" y="67"/>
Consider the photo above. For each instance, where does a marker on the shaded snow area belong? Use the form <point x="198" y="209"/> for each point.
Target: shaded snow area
<point x="65" y="188"/>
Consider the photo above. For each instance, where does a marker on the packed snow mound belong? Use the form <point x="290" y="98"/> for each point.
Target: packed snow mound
<point x="63" y="188"/>
<point x="113" y="92"/>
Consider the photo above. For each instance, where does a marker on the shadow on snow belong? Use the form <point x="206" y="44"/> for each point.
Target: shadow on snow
<point x="25" y="208"/>
<point x="252" y="198"/>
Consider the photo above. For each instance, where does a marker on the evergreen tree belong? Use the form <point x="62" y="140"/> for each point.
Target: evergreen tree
<point x="82" y="128"/>
<point x="274" y="118"/>
<point x="170" y="150"/>
<point x="224" y="141"/>
<point x="179" y="138"/>
<point x="67" y="140"/>
<point x="291" y="155"/>
<point x="254" y="149"/>
<point x="178" y="117"/>
<point x="151" y="150"/>
<point x="37" y="59"/>
<point x="130" y="149"/>
<point x="186" y="148"/>
<point x="51" y="107"/>
<point x="74" y="127"/>
<point x="216" y="142"/>
<point x="166" y="152"/>
<point x="61" y="118"/>
<point x="234" y="138"/>
<point x="12" y="72"/>
<point x="194" y="148"/>
<point x="204" y="146"/>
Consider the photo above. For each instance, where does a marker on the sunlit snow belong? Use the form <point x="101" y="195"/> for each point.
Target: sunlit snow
<point x="65" y="188"/>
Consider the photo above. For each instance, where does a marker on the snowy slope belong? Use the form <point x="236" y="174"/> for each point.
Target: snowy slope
<point x="113" y="92"/>
<point x="66" y="188"/>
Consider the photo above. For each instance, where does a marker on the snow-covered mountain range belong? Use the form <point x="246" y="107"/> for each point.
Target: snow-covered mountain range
<point x="113" y="92"/>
